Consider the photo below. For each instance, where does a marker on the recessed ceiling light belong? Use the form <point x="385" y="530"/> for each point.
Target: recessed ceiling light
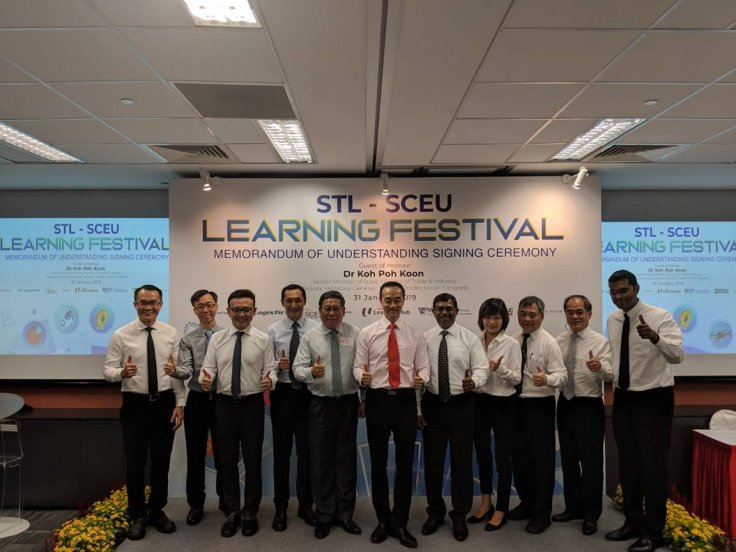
<point x="222" y="13"/>
<point x="605" y="131"/>
<point x="288" y="138"/>
<point x="653" y="101"/>
<point x="127" y="101"/>
<point x="32" y="145"/>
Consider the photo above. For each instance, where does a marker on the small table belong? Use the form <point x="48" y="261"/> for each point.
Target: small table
<point x="714" y="477"/>
<point x="10" y="526"/>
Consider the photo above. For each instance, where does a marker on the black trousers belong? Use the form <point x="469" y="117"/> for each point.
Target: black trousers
<point x="642" y="424"/>
<point x="147" y="430"/>
<point x="450" y="423"/>
<point x="333" y="425"/>
<point x="199" y="420"/>
<point x="533" y="457"/>
<point x="581" y="426"/>
<point x="239" y="428"/>
<point x="387" y="413"/>
<point x="494" y="414"/>
<point x="289" y="414"/>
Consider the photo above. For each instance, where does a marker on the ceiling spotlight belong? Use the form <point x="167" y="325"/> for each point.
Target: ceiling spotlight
<point x="384" y="184"/>
<point x="208" y="181"/>
<point x="575" y="180"/>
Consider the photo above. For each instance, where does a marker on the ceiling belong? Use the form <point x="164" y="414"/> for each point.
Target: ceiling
<point x="424" y="87"/>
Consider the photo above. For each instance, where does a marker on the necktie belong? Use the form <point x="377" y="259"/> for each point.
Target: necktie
<point x="443" y="369"/>
<point x="236" y="364"/>
<point x="623" y="367"/>
<point x="523" y="365"/>
<point x="569" y="390"/>
<point x="293" y="347"/>
<point x="335" y="363"/>
<point x="151" y="357"/>
<point x="394" y="363"/>
<point x="207" y="335"/>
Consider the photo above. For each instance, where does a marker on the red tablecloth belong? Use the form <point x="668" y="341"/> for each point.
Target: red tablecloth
<point x="714" y="477"/>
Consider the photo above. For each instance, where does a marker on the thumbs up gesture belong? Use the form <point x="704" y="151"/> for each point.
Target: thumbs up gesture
<point x="318" y="368"/>
<point x="266" y="382"/>
<point x="645" y="332"/>
<point x="494" y="364"/>
<point x="468" y="383"/>
<point x="283" y="361"/>
<point x="539" y="378"/>
<point x="130" y="369"/>
<point x="367" y="377"/>
<point x="593" y="364"/>
<point x="170" y="366"/>
<point x="206" y="382"/>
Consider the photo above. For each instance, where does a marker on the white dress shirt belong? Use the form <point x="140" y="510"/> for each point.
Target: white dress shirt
<point x="280" y="333"/>
<point x="542" y="352"/>
<point x="649" y="363"/>
<point x="256" y="360"/>
<point x="501" y="382"/>
<point x="131" y="340"/>
<point x="373" y="352"/>
<point x="317" y="343"/>
<point x="464" y="351"/>
<point x="588" y="383"/>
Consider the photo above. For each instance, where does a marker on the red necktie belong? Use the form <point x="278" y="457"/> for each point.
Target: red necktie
<point x="394" y="364"/>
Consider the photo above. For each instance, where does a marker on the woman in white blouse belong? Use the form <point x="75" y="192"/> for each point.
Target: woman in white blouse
<point x="495" y="412"/>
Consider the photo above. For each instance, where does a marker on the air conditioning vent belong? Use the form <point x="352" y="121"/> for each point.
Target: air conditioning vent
<point x="634" y="153"/>
<point x="194" y="154"/>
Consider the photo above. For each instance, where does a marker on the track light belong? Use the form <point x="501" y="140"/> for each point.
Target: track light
<point x="207" y="180"/>
<point x="384" y="184"/>
<point x="575" y="180"/>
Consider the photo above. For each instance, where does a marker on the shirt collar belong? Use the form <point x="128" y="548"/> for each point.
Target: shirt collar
<point x="326" y="330"/>
<point x="289" y="322"/>
<point x="232" y="330"/>
<point x="141" y="326"/>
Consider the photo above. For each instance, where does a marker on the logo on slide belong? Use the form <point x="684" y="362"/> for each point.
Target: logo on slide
<point x="721" y="334"/>
<point x="101" y="318"/>
<point x="66" y="318"/>
<point x="34" y="334"/>
<point x="685" y="317"/>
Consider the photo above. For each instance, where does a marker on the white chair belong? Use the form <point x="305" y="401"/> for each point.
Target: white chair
<point x="11" y="457"/>
<point x="723" y="419"/>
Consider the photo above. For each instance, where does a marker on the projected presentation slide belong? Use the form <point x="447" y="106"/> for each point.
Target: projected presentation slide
<point x="67" y="284"/>
<point x="688" y="268"/>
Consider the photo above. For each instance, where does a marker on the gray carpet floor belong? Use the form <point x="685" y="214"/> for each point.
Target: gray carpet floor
<point x="38" y="537"/>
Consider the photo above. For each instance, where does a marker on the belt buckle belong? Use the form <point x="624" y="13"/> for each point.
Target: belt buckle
<point x="391" y="391"/>
<point x="296" y="385"/>
<point x="154" y="397"/>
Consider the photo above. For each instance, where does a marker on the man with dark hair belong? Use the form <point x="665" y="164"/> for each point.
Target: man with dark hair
<point x="200" y="408"/>
<point x="391" y="360"/>
<point x="325" y="363"/>
<point x="241" y="359"/>
<point x="458" y="365"/>
<point x="152" y="406"/>
<point x="645" y="340"/>
<point x="580" y="414"/>
<point x="542" y="371"/>
<point x="289" y="407"/>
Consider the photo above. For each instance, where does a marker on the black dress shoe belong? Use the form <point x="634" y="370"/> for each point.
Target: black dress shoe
<point x="565" y="515"/>
<point x="432" y="524"/>
<point x="403" y="534"/>
<point x="231" y="525"/>
<point x="484" y="517"/>
<point x="590" y="527"/>
<point x="349" y="526"/>
<point x="380" y="533"/>
<point x="250" y="526"/>
<point x="307" y="514"/>
<point x="518" y="513"/>
<point x="492" y="527"/>
<point x="321" y="531"/>
<point x="137" y="529"/>
<point x="459" y="529"/>
<point x="194" y="516"/>
<point x="537" y="526"/>
<point x="643" y="544"/>
<point x="623" y="533"/>
<point x="279" y="521"/>
<point x="161" y="521"/>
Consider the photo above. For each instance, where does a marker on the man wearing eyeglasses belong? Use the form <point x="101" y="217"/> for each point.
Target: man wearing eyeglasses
<point x="200" y="408"/>
<point x="141" y="354"/>
<point x="241" y="361"/>
<point x="645" y="340"/>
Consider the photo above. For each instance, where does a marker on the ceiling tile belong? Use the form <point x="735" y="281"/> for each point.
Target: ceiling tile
<point x="695" y="14"/>
<point x="111" y="153"/>
<point x="551" y="55"/>
<point x="725" y="138"/>
<point x="676" y="131"/>
<point x="254" y="153"/>
<point x="717" y="101"/>
<point x="74" y="55"/>
<point x="706" y="153"/>
<point x="34" y="101"/>
<point x="42" y="13"/>
<point x="626" y="100"/>
<point x="491" y="131"/>
<point x="144" y="13"/>
<point x="685" y="56"/>
<point x="208" y="54"/>
<point x="476" y="155"/>
<point x="586" y="14"/>
<point x="238" y="101"/>
<point x="15" y="155"/>
<point x="9" y="73"/>
<point x="535" y="153"/>
<point x="70" y="131"/>
<point x="102" y="99"/>
<point x="164" y="131"/>
<point x="508" y="101"/>
<point x="237" y="131"/>
<point x="563" y="130"/>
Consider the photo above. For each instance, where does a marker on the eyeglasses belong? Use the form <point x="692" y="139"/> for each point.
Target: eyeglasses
<point x="241" y="310"/>
<point x="620" y="292"/>
<point x="331" y="310"/>
<point x="147" y="303"/>
<point x="579" y="312"/>
<point x="444" y="309"/>
<point x="204" y="306"/>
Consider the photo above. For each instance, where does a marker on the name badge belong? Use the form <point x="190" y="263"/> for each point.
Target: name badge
<point x="347" y="341"/>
